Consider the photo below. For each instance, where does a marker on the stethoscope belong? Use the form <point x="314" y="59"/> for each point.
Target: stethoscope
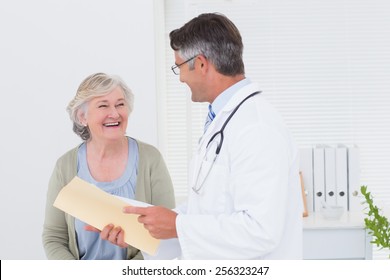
<point x="219" y="146"/>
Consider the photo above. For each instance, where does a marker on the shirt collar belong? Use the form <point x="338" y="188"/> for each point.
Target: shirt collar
<point x="227" y="94"/>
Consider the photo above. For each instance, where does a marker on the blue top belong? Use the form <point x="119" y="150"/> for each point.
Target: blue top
<point x="90" y="245"/>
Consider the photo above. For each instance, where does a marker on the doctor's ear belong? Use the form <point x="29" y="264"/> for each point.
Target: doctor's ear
<point x="203" y="61"/>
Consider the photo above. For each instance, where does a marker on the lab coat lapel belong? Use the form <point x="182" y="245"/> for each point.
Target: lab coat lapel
<point x="238" y="97"/>
<point x="220" y="118"/>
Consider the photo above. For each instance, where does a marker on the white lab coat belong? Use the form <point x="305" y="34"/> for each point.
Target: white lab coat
<point x="250" y="205"/>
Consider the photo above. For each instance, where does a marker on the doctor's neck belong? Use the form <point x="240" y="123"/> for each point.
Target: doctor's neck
<point x="221" y="83"/>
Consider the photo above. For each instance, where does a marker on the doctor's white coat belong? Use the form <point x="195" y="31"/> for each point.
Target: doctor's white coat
<point x="249" y="205"/>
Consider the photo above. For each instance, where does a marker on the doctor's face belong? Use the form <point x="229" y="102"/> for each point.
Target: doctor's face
<point x="193" y="78"/>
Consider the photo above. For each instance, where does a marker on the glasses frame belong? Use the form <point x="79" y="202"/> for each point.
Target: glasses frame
<point x="176" y="68"/>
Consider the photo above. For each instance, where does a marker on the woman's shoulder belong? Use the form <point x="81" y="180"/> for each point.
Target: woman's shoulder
<point x="66" y="167"/>
<point x="145" y="146"/>
<point x="147" y="150"/>
<point x="68" y="157"/>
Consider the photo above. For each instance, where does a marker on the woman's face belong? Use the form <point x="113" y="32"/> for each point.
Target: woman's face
<point x="107" y="116"/>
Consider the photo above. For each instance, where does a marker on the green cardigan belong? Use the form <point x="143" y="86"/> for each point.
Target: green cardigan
<point x="154" y="186"/>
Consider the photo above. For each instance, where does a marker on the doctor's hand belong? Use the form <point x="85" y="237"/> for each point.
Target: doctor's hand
<point x="113" y="234"/>
<point x="159" y="221"/>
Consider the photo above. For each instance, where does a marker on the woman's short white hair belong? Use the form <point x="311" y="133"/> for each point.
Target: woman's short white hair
<point x="95" y="85"/>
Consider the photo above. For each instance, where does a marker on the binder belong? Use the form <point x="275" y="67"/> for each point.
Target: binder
<point x="306" y="169"/>
<point x="318" y="177"/>
<point x="330" y="176"/>
<point x="342" y="176"/>
<point x="354" y="194"/>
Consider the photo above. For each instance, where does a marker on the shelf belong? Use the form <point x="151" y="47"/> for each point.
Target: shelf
<point x="345" y="238"/>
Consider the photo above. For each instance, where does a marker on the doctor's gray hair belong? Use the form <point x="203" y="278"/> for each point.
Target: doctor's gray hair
<point x="95" y="85"/>
<point x="215" y="37"/>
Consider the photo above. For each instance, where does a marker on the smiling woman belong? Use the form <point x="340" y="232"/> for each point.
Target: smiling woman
<point x="96" y="95"/>
<point x="106" y="117"/>
<point x="107" y="158"/>
<point x="44" y="56"/>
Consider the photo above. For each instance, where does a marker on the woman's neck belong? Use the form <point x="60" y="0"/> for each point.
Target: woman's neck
<point x="107" y="161"/>
<point x="106" y="149"/>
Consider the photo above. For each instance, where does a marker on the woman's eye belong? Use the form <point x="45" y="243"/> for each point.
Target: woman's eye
<point x="120" y="105"/>
<point x="102" y="106"/>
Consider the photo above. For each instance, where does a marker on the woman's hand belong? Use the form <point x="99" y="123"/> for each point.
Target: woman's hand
<point x="113" y="234"/>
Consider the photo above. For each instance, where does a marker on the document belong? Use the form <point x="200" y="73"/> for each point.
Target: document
<point x="97" y="208"/>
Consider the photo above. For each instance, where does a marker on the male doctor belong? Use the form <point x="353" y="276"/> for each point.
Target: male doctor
<point x="244" y="199"/>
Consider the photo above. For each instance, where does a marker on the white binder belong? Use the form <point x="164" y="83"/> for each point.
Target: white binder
<point x="318" y="177"/>
<point x="354" y="194"/>
<point x="330" y="176"/>
<point x="342" y="176"/>
<point x="306" y="167"/>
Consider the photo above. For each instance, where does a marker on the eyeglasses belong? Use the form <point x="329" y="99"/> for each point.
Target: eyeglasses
<point x="176" y="68"/>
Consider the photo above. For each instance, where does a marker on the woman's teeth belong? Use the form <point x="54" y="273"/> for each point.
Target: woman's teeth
<point x="111" y="124"/>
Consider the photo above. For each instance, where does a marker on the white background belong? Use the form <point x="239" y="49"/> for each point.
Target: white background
<point x="46" y="49"/>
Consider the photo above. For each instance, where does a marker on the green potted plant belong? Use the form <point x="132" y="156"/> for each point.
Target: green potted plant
<point x="377" y="224"/>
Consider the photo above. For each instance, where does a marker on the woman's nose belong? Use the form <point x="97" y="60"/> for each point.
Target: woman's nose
<point x="113" y="113"/>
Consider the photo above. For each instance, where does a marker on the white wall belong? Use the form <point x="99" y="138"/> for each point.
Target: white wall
<point x="47" y="48"/>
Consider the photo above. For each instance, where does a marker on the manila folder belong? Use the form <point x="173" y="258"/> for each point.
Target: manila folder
<point x="97" y="208"/>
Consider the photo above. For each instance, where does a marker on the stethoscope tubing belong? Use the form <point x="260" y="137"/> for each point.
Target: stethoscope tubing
<point x="219" y="132"/>
<point x="227" y="121"/>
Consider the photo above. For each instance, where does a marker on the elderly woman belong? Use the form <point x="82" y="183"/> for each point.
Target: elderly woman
<point x="107" y="158"/>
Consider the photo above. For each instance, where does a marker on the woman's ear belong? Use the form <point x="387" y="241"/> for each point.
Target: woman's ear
<point x="81" y="118"/>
